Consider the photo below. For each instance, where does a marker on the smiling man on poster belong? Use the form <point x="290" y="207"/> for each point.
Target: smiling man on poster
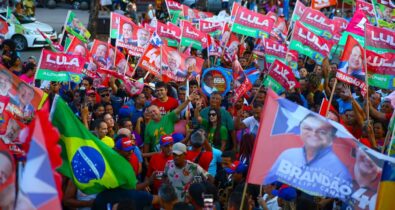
<point x="313" y="167"/>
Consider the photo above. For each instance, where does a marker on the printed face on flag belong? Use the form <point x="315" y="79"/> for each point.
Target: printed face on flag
<point x="385" y="14"/>
<point x="316" y="155"/>
<point x="115" y="21"/>
<point x="76" y="27"/>
<point x="352" y="60"/>
<point x="216" y="79"/>
<point x="133" y="37"/>
<point x="77" y="47"/>
<point x="151" y="60"/>
<point x="7" y="171"/>
<point x="100" y="53"/>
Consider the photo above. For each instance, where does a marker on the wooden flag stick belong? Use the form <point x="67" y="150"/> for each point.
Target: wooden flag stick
<point x="330" y="98"/>
<point x="243" y="196"/>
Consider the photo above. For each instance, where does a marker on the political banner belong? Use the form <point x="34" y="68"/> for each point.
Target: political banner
<point x="351" y="68"/>
<point x="381" y="69"/>
<point x="77" y="47"/>
<point x="318" y="23"/>
<point x="132" y="37"/>
<point x="307" y="43"/>
<point x="367" y="8"/>
<point x="283" y="75"/>
<point x="194" y="15"/>
<point x="132" y="87"/>
<point x="231" y="47"/>
<point x="214" y="48"/>
<point x="150" y="60"/>
<point x="212" y="28"/>
<point x="176" y="64"/>
<point x="233" y="12"/>
<point x="241" y="85"/>
<point x="315" y="155"/>
<point x="298" y="12"/>
<point x="216" y="79"/>
<point x="76" y="27"/>
<point x="355" y="28"/>
<point x="275" y="51"/>
<point x="280" y="29"/>
<point x="115" y="20"/>
<point x="319" y="4"/>
<point x="249" y="23"/>
<point x="385" y="13"/>
<point x="380" y="40"/>
<point x="190" y="36"/>
<point x="170" y="32"/>
<point x="100" y="52"/>
<point x="175" y="10"/>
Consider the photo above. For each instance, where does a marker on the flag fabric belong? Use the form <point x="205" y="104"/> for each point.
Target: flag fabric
<point x="249" y="23"/>
<point x="380" y="40"/>
<point x="131" y="87"/>
<point x="231" y="47"/>
<point x="192" y="36"/>
<point x="252" y="74"/>
<point x="307" y="43"/>
<point x="77" y="47"/>
<point x="150" y="61"/>
<point x="298" y="12"/>
<point x="41" y="184"/>
<point x="170" y="32"/>
<point x="8" y="176"/>
<point x="351" y="68"/>
<point x="210" y="27"/>
<point x="132" y="37"/>
<point x="115" y="20"/>
<point x="319" y="4"/>
<point x="91" y="164"/>
<point x="381" y="69"/>
<point x="48" y="41"/>
<point x="194" y="15"/>
<point x="156" y="40"/>
<point x="276" y="51"/>
<point x="387" y="187"/>
<point x="324" y="107"/>
<point x="318" y="23"/>
<point x="241" y="84"/>
<point x="355" y="28"/>
<point x="100" y="52"/>
<point x="367" y="8"/>
<point x="214" y="48"/>
<point x="3" y="27"/>
<point x="289" y="136"/>
<point x="280" y="29"/>
<point x="60" y="67"/>
<point x="175" y="10"/>
<point x="280" y="77"/>
<point x="385" y="13"/>
<point x="76" y="27"/>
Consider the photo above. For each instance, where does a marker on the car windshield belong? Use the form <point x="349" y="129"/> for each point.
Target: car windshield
<point x="23" y="19"/>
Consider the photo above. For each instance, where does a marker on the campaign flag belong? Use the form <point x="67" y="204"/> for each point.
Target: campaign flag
<point x="380" y="40"/>
<point x="170" y="32"/>
<point x="298" y="12"/>
<point x="318" y="156"/>
<point x="176" y="64"/>
<point x="387" y="187"/>
<point x="212" y="28"/>
<point x="319" y="4"/>
<point x="355" y="28"/>
<point x="259" y="47"/>
<point x="385" y="13"/>
<point x="132" y="37"/>
<point x="241" y="85"/>
<point x="381" y="69"/>
<point x="76" y="27"/>
<point x="115" y="20"/>
<point x="280" y="77"/>
<point x="233" y="12"/>
<point x="175" y="10"/>
<point x="276" y="51"/>
<point x="194" y="15"/>
<point x="280" y="30"/>
<point x="91" y="164"/>
<point x="77" y="47"/>
<point x="249" y="23"/>
<point x="231" y="47"/>
<point x="8" y="172"/>
<point x="307" y="43"/>
<point x="214" y="48"/>
<point x="367" y="8"/>
<point x="150" y="61"/>
<point x="318" y="23"/>
<point x="156" y="40"/>
<point x="340" y="26"/>
<point x="132" y="87"/>
<point x="41" y="184"/>
<point x="252" y="74"/>
<point x="351" y="68"/>
<point x="60" y="67"/>
<point x="100" y="52"/>
<point x="324" y="107"/>
<point x="192" y="36"/>
<point x="49" y="42"/>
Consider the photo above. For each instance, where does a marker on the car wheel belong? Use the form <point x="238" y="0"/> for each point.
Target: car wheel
<point x="20" y="42"/>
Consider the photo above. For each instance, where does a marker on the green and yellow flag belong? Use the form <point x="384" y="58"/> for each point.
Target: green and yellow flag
<point x="92" y="165"/>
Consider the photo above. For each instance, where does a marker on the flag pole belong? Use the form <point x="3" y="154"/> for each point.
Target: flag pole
<point x="243" y="196"/>
<point x="126" y="65"/>
<point x="64" y="27"/>
<point x="366" y="78"/>
<point x="330" y="98"/>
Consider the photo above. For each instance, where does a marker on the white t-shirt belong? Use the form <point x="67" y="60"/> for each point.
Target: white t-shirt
<point x="272" y="204"/>
<point x="252" y="124"/>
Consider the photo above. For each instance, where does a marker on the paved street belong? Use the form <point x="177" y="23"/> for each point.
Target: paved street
<point x="55" y="18"/>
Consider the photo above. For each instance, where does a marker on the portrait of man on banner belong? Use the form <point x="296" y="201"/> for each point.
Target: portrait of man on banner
<point x="126" y="35"/>
<point x="352" y="60"/>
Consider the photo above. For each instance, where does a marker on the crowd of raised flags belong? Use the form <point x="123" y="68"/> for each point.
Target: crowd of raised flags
<point x="325" y="130"/>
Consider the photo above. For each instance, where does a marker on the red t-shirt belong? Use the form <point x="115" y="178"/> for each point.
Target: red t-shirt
<point x="354" y="130"/>
<point x="157" y="163"/>
<point x="205" y="158"/>
<point x="166" y="107"/>
<point x="365" y="142"/>
<point x="134" y="162"/>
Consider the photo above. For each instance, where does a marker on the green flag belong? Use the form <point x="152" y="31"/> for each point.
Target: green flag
<point x="92" y="165"/>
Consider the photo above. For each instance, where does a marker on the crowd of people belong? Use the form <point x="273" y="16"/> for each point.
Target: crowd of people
<point x="190" y="150"/>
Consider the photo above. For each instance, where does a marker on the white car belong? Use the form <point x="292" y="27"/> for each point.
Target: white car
<point x="25" y="32"/>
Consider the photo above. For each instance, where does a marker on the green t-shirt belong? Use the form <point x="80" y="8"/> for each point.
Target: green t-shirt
<point x="155" y="130"/>
<point x="226" y="118"/>
<point x="211" y="134"/>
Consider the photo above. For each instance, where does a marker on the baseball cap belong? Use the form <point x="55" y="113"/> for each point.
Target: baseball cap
<point x="166" y="140"/>
<point x="90" y="92"/>
<point x="236" y="167"/>
<point x="179" y="148"/>
<point x="177" y="137"/>
<point x="124" y="112"/>
<point x="124" y="143"/>
<point x="286" y="193"/>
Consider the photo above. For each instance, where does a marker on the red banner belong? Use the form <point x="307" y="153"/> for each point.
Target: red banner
<point x="77" y="47"/>
<point x="61" y="62"/>
<point x="380" y="38"/>
<point x="319" y="4"/>
<point x="209" y="27"/>
<point x="366" y="7"/>
<point x="255" y="20"/>
<point x="150" y="60"/>
<point x="131" y="87"/>
<point x="169" y="31"/>
<point x="190" y="32"/>
<point x="283" y="74"/>
<point x="317" y="19"/>
<point x="133" y="37"/>
<point x="380" y="64"/>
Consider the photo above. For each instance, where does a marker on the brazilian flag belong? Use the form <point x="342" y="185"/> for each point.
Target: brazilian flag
<point x="92" y="165"/>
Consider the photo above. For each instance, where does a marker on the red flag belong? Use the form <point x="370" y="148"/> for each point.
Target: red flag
<point x="319" y="4"/>
<point x="283" y="74"/>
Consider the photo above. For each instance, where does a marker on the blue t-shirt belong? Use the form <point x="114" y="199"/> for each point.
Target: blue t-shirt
<point x="212" y="168"/>
<point x="343" y="105"/>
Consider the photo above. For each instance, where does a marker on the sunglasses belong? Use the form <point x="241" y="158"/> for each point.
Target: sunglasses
<point x="105" y="95"/>
<point x="212" y="114"/>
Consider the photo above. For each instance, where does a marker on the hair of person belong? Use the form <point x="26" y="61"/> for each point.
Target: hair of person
<point x="215" y="93"/>
<point x="334" y="129"/>
<point x="247" y="144"/>
<point x="167" y="193"/>
<point x="182" y="206"/>
<point x="89" y="79"/>
<point x="97" y="123"/>
<point x="217" y="134"/>
<point x="29" y="66"/>
<point x="382" y="126"/>
<point x="10" y="43"/>
<point x="196" y="191"/>
<point x="96" y="106"/>
<point x="122" y="121"/>
<point x="235" y="201"/>
<point x="229" y="154"/>
<point x="197" y="136"/>
<point x="126" y="204"/>
<point x="193" y="82"/>
<point x="161" y="84"/>
<point x="258" y="104"/>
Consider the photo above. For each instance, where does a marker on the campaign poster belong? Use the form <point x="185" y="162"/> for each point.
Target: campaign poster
<point x="170" y="32"/>
<point x="132" y="37"/>
<point x="77" y="47"/>
<point x="100" y="52"/>
<point x="314" y="154"/>
<point x="216" y="79"/>
<point x="249" y="23"/>
<point x="352" y="60"/>
<point x="114" y="24"/>
<point x="385" y="13"/>
<point x="75" y="27"/>
<point x="151" y="60"/>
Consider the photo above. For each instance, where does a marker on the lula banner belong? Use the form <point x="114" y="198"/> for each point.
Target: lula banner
<point x="314" y="154"/>
<point x="60" y="67"/>
<point x="307" y="43"/>
<point x="319" y="4"/>
<point x="249" y="23"/>
<point x="151" y="60"/>
<point x="276" y="51"/>
<point x="380" y="40"/>
<point x="132" y="37"/>
<point x="281" y="74"/>
<point x="318" y="23"/>
<point x="212" y="28"/>
<point x="298" y="12"/>
<point x="175" y="10"/>
<point x="190" y="36"/>
<point x="170" y="32"/>
<point x="356" y="28"/>
<point x="381" y="69"/>
<point x="367" y="8"/>
<point x="76" y="27"/>
<point x="114" y="24"/>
